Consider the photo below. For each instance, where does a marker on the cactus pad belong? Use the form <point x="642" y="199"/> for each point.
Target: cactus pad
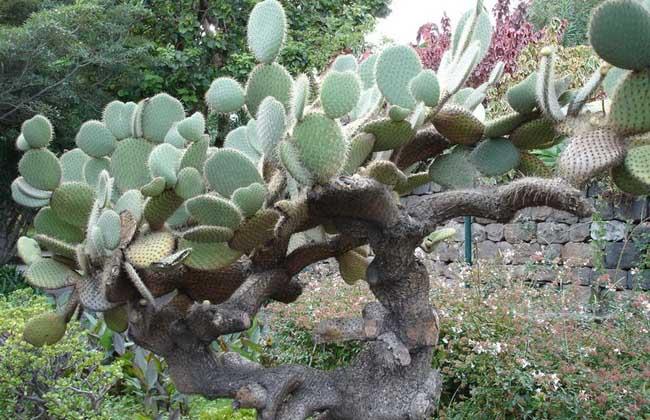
<point x="367" y="71"/>
<point x="192" y="127"/>
<point x="453" y="170"/>
<point x="95" y="139"/>
<point x="619" y="32"/>
<point x="129" y="163"/>
<point x="426" y="88"/>
<point x="190" y="183"/>
<point x="228" y="169"/>
<point x="225" y="95"/>
<point x="628" y="183"/>
<point x="291" y="162"/>
<point x="268" y="80"/>
<point x="353" y="266"/>
<point x="158" y="116"/>
<point x="345" y="62"/>
<point x="531" y="165"/>
<point x="72" y="202"/>
<point x="389" y="134"/>
<point x="208" y="256"/>
<point x="49" y="274"/>
<point x="109" y="224"/>
<point x="41" y="169"/>
<point x="271" y="125"/>
<point x="385" y="172"/>
<point x="72" y="164"/>
<point x="396" y="66"/>
<point x="630" y="110"/>
<point x="266" y="30"/>
<point x="117" y="117"/>
<point x="28" y="250"/>
<point x="339" y="93"/>
<point x="504" y="125"/>
<point x="195" y="155"/>
<point x="433" y="239"/>
<point x="522" y="97"/>
<point x="131" y="201"/>
<point x="165" y="161"/>
<point x="360" y="148"/>
<point x="37" y="131"/>
<point x="48" y="223"/>
<point x="589" y="154"/>
<point x="159" y="208"/>
<point x="208" y="234"/>
<point x="249" y="199"/>
<point x="215" y="211"/>
<point x="300" y="96"/>
<point x="20" y="197"/>
<point x="458" y="125"/>
<point x="150" y="248"/>
<point x="174" y="138"/>
<point x="57" y="247"/>
<point x="154" y="188"/>
<point x="494" y="157"/>
<point x="46" y="328"/>
<point x="536" y="134"/>
<point x="320" y="145"/>
<point x="255" y="231"/>
<point x="30" y="191"/>
<point x="117" y="319"/>
<point x="238" y="139"/>
<point x="637" y="163"/>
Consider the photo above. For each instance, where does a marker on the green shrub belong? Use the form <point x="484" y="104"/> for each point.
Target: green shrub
<point x="67" y="380"/>
<point x="11" y="279"/>
<point x="202" y="409"/>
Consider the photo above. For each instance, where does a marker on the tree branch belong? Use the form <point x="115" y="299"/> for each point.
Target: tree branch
<point x="312" y="253"/>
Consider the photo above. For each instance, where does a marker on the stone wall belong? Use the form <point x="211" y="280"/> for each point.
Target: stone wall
<point x="545" y="245"/>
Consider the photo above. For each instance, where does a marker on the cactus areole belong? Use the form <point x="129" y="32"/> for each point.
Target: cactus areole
<point x="180" y="242"/>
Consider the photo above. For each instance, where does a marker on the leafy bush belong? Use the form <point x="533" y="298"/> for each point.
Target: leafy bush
<point x="67" y="380"/>
<point x="10" y="279"/>
<point x="575" y="12"/>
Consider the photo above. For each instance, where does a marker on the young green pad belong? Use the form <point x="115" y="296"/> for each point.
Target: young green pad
<point x="353" y="266"/>
<point x="458" y="125"/>
<point x="271" y="125"/>
<point x="426" y="88"/>
<point x="159" y="208"/>
<point x="95" y="139"/>
<point x="207" y="255"/>
<point x="255" y="231"/>
<point x="360" y="148"/>
<point x="339" y="93"/>
<point x="129" y="163"/>
<point x="266" y="30"/>
<point x="190" y="183"/>
<point x="174" y="138"/>
<point x="165" y="161"/>
<point x="454" y="170"/>
<point x="494" y="157"/>
<point x="41" y="169"/>
<point x="291" y="162"/>
<point x="396" y="66"/>
<point x="238" y="139"/>
<point x="249" y="199"/>
<point x="158" y="115"/>
<point x="619" y="32"/>
<point x="367" y="71"/>
<point x="522" y="96"/>
<point x="208" y="234"/>
<point x="131" y="201"/>
<point x="109" y="223"/>
<point x="48" y="223"/>
<point x="49" y="274"/>
<point x="192" y="127"/>
<point x="225" y="95"/>
<point x="72" y="164"/>
<point x="46" y="328"/>
<point x="195" y="155"/>
<point x="37" y="131"/>
<point x="72" y="202"/>
<point x="28" y="250"/>
<point x="215" y="211"/>
<point x="389" y="134"/>
<point x="630" y="109"/>
<point x="300" y="96"/>
<point x="320" y="145"/>
<point x="228" y="169"/>
<point x="536" y="134"/>
<point x="117" y="116"/>
<point x="154" y="188"/>
<point x="268" y="80"/>
<point x="345" y="62"/>
<point x="94" y="167"/>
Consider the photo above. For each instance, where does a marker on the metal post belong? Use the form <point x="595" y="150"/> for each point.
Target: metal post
<point x="468" y="240"/>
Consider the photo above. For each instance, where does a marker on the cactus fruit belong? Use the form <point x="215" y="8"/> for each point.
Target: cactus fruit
<point x="195" y="155"/>
<point x="425" y="87"/>
<point x="389" y="134"/>
<point x="531" y="165"/>
<point x="150" y="248"/>
<point x="458" y="125"/>
<point x="536" y="134"/>
<point x="28" y="250"/>
<point x="320" y="145"/>
<point x="361" y="147"/>
<point x="72" y="202"/>
<point x="109" y="224"/>
<point x="291" y="162"/>
<point x="117" y="117"/>
<point x="192" y="127"/>
<point x="396" y="66"/>
<point x="228" y="169"/>
<point x="41" y="169"/>
<point x="49" y="274"/>
<point x="300" y="96"/>
<point x="345" y="62"/>
<point x="95" y="139"/>
<point x="433" y="239"/>
<point x="117" y="319"/>
<point x="255" y="231"/>
<point x="494" y="157"/>
<point x="37" y="132"/>
<point x="159" y="208"/>
<point x="339" y="93"/>
<point x="590" y="153"/>
<point x="268" y="80"/>
<point x="129" y="163"/>
<point x="57" y="247"/>
<point x="249" y="199"/>
<point x="214" y="211"/>
<point x="208" y="255"/>
<point x="505" y="124"/>
<point x="48" y="223"/>
<point x="154" y="188"/>
<point x="131" y="201"/>
<point x="353" y="266"/>
<point x="158" y="116"/>
<point x="630" y="110"/>
<point x="453" y="170"/>
<point x="208" y="234"/>
<point x="165" y="161"/>
<point x="46" y="328"/>
<point x="190" y="183"/>
<point x="225" y="95"/>
<point x="619" y="32"/>
<point x="266" y="30"/>
<point x="94" y="167"/>
<point x="72" y="165"/>
<point x="271" y="125"/>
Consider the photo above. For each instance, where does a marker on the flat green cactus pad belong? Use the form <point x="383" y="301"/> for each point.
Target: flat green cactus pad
<point x="522" y="97"/>
<point x="46" y="328"/>
<point x="195" y="155"/>
<point x="426" y="88"/>
<point x="630" y="110"/>
<point x="159" y="208"/>
<point x="367" y="71"/>
<point x="158" y="116"/>
<point x="637" y="163"/>
<point x="41" y="169"/>
<point x="504" y="125"/>
<point x="531" y="165"/>
<point x="454" y="170"/>
<point x="72" y="164"/>
<point x="228" y="169"/>
<point x="345" y="62"/>
<point x="225" y="95"/>
<point x="433" y="239"/>
<point x="150" y="248"/>
<point x="255" y="231"/>
<point x="49" y="274"/>
<point x="389" y="134"/>
<point x="20" y="196"/>
<point x="271" y="125"/>
<point x="109" y="224"/>
<point x="72" y="202"/>
<point x="339" y="93"/>
<point x="320" y="145"/>
<point x="291" y="162"/>
<point x="190" y="183"/>
<point x="396" y="66"/>
<point x="131" y="201"/>
<point x="266" y="30"/>
<point x="94" y="167"/>
<point x="300" y="96"/>
<point x="129" y="164"/>
<point x="268" y="80"/>
<point x="208" y="256"/>
<point x="48" y="223"/>
<point x="208" y="234"/>
<point x="192" y="127"/>
<point x="118" y="117"/>
<point x="117" y="319"/>
<point x="57" y="247"/>
<point x="37" y="131"/>
<point x="494" y="157"/>
<point x="165" y="161"/>
<point x="249" y="199"/>
<point x="214" y="211"/>
<point x="361" y="147"/>
<point x="28" y="250"/>
<point x="95" y="139"/>
<point x="154" y="188"/>
<point x="627" y="182"/>
<point x="458" y="125"/>
<point x="536" y="134"/>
